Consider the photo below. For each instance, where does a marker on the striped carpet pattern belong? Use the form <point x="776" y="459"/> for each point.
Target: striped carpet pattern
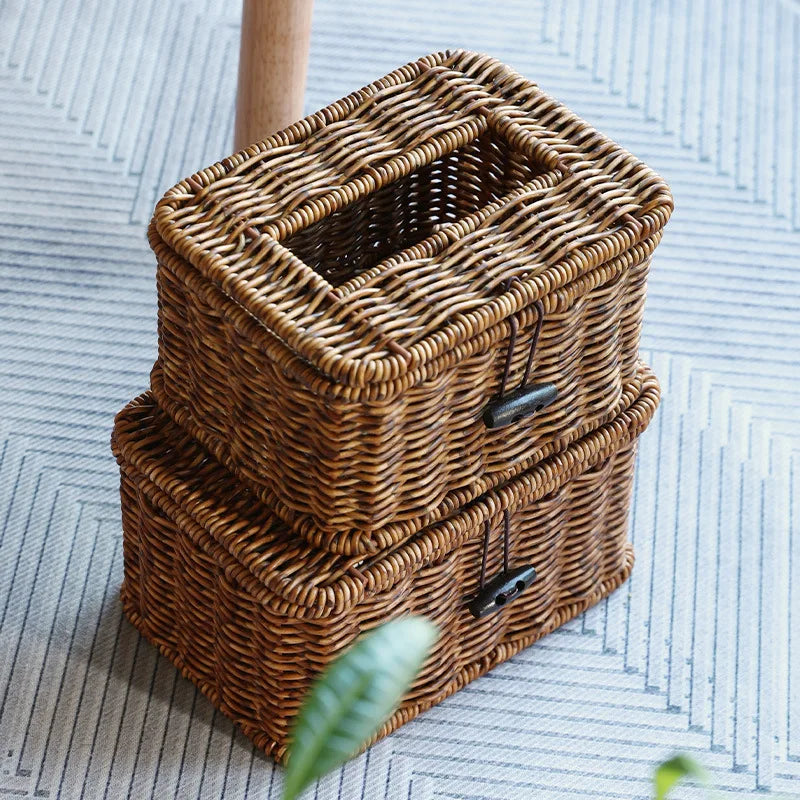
<point x="105" y="103"/>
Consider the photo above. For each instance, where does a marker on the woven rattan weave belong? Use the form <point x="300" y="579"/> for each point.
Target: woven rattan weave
<point x="337" y="303"/>
<point x="251" y="613"/>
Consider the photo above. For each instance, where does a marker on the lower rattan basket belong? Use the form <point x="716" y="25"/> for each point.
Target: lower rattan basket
<point x="251" y="614"/>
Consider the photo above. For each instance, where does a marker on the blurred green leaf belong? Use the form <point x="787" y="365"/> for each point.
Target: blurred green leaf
<point x="674" y="770"/>
<point x="353" y="698"/>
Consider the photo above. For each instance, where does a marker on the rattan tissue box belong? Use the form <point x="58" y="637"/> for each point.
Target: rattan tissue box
<point x="405" y="300"/>
<point x="251" y="613"/>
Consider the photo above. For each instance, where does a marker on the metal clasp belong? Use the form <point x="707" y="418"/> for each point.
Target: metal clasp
<point x="519" y="404"/>
<point x="501" y="590"/>
<point x="506" y="586"/>
<point x="527" y="399"/>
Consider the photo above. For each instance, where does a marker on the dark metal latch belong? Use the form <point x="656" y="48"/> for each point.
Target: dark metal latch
<point x="502" y="590"/>
<point x="522" y="402"/>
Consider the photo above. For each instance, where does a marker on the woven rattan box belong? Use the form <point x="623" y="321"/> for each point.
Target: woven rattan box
<point x="406" y="299"/>
<point x="251" y="613"/>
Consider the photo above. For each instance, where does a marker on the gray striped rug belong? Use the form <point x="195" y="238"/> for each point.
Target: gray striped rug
<point x="105" y="103"/>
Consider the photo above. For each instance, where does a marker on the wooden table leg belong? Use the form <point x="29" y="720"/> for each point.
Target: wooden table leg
<point x="273" y="58"/>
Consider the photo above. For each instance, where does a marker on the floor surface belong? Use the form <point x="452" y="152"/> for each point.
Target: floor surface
<point x="106" y="103"/>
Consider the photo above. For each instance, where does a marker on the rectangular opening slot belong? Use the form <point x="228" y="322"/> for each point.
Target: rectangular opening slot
<point x="407" y="211"/>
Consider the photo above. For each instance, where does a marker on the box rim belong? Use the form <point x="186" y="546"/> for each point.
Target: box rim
<point x="322" y="383"/>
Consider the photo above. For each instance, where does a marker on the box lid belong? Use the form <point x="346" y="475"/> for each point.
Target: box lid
<point x="281" y="568"/>
<point x="412" y="215"/>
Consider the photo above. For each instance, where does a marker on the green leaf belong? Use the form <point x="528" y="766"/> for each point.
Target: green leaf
<point x="677" y="768"/>
<point x="353" y="698"/>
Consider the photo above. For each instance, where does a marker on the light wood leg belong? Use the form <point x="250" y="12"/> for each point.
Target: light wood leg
<point x="273" y="58"/>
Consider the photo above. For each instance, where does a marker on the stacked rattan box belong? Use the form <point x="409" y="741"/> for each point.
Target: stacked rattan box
<point x="398" y="373"/>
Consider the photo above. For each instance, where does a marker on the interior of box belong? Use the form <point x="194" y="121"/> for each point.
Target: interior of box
<point x="405" y="212"/>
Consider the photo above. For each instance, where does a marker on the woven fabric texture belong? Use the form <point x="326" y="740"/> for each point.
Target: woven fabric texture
<point x="104" y="104"/>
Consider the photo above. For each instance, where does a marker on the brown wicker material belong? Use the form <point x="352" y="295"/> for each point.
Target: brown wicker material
<point x="250" y="613"/>
<point x="397" y="531"/>
<point x="336" y="302"/>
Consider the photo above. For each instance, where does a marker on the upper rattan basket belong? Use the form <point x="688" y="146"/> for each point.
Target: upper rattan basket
<point x="341" y="303"/>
